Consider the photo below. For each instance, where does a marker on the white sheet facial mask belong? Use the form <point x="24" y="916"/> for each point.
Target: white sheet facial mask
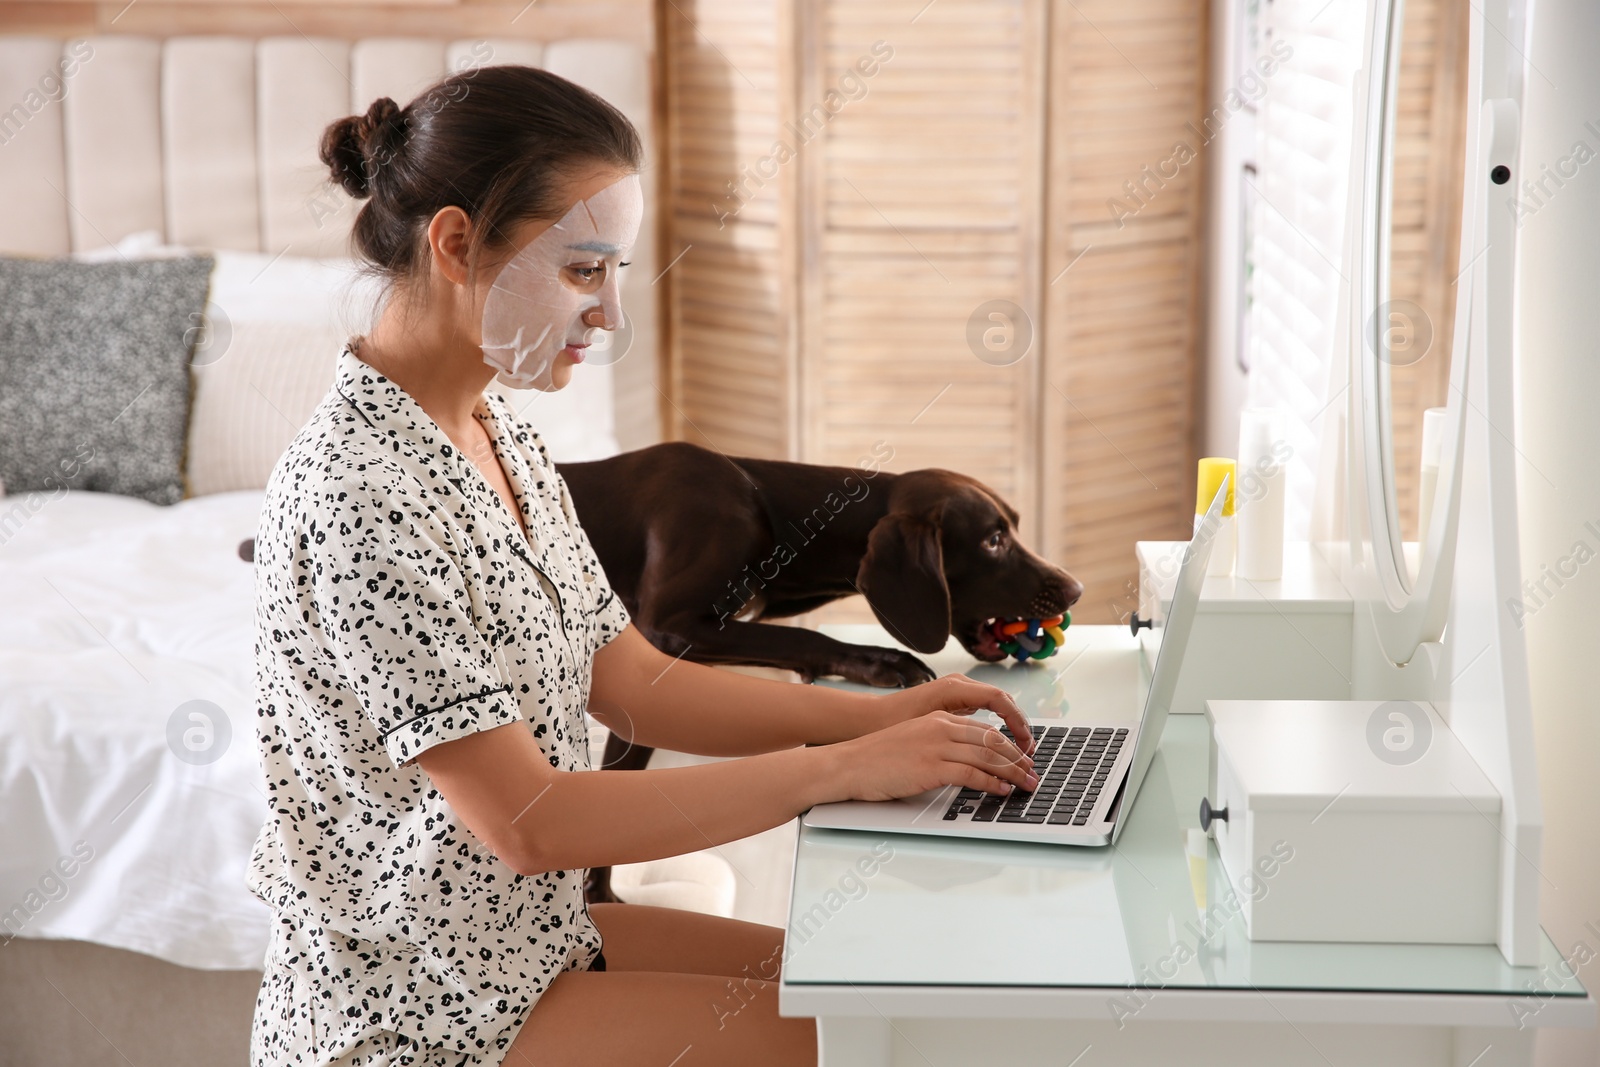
<point x="538" y="301"/>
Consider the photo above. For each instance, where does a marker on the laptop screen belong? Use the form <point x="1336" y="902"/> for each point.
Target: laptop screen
<point x="1169" y="660"/>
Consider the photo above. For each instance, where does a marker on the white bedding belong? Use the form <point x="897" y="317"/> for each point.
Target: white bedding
<point x="116" y="612"/>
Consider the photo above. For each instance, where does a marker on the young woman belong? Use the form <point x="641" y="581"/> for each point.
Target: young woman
<point x="432" y="625"/>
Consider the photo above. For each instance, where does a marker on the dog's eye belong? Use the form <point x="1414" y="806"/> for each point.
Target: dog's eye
<point x="995" y="541"/>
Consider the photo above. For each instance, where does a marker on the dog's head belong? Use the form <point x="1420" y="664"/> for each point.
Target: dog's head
<point x="946" y="560"/>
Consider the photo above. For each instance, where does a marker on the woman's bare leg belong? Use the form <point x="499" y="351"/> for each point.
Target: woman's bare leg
<point x="627" y="1018"/>
<point x="679" y="988"/>
<point x="641" y="938"/>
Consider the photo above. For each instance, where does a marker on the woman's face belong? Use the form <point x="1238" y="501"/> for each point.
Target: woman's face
<point x="562" y="283"/>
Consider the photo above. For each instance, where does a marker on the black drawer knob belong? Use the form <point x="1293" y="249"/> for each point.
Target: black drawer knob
<point x="1135" y="624"/>
<point x="1208" y="814"/>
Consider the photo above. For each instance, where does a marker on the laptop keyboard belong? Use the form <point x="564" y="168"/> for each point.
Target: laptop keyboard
<point x="1073" y="765"/>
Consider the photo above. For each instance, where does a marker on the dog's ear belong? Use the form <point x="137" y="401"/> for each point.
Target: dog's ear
<point x="902" y="577"/>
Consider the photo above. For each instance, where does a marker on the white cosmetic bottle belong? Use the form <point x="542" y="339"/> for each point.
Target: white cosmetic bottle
<point x="1260" y="504"/>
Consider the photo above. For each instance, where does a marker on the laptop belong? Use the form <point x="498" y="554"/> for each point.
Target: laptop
<point x="1088" y="773"/>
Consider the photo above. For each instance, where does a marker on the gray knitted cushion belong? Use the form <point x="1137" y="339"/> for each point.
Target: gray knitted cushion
<point x="94" y="373"/>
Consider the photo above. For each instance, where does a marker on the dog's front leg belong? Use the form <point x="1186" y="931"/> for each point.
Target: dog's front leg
<point x="810" y="654"/>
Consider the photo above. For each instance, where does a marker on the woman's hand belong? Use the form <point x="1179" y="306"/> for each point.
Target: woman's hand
<point x="934" y="749"/>
<point x="923" y="738"/>
<point x="959" y="695"/>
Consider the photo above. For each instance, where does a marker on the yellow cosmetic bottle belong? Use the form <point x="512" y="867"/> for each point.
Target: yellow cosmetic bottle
<point x="1213" y="470"/>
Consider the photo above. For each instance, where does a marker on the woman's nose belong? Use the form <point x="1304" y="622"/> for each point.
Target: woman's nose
<point x="596" y="317"/>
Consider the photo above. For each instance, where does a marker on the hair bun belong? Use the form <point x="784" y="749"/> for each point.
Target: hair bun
<point x="356" y="147"/>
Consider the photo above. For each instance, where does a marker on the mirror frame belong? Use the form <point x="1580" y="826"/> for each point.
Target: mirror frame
<point x="1377" y="222"/>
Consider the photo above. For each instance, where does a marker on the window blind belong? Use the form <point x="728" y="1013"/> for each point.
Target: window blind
<point x="1298" y="202"/>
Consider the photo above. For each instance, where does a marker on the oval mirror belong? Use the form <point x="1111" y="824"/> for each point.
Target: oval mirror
<point x="1411" y="226"/>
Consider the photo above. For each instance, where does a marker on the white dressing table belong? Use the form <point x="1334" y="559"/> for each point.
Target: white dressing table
<point x="973" y="952"/>
<point x="938" y="951"/>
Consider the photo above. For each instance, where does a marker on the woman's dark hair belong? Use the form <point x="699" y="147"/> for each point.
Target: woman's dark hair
<point x="497" y="142"/>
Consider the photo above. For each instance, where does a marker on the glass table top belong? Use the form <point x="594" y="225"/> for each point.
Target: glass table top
<point x="1153" y="911"/>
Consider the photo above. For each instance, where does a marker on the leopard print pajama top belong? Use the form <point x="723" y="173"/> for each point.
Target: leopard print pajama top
<point x="398" y="606"/>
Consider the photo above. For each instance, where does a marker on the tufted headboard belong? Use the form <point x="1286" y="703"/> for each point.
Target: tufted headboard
<point x="212" y="141"/>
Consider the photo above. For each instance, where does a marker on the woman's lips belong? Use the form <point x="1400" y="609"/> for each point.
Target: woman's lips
<point x="574" y="352"/>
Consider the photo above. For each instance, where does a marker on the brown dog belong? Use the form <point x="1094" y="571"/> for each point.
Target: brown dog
<point x="702" y="547"/>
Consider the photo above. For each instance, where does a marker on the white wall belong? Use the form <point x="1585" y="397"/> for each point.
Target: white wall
<point x="1558" y="432"/>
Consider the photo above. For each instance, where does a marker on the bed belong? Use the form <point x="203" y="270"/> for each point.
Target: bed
<point x="130" y="612"/>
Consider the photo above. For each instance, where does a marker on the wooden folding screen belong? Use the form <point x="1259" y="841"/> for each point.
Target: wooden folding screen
<point x="906" y="227"/>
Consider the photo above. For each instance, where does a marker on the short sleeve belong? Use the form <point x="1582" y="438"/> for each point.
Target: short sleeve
<point x="394" y="609"/>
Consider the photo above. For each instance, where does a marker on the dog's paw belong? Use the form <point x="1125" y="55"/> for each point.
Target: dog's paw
<point x="883" y="667"/>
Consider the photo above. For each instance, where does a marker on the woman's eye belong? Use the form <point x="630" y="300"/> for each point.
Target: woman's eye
<point x="627" y="264"/>
<point x="586" y="279"/>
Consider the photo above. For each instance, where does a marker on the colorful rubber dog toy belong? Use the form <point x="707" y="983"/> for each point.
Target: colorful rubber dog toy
<point x="1030" y="638"/>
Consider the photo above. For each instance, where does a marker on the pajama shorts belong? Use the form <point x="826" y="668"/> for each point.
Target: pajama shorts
<point x="282" y="1033"/>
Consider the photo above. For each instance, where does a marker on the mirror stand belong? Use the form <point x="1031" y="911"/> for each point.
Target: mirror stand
<point x="1447" y="636"/>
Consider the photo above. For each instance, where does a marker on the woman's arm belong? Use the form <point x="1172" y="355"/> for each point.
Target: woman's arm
<point x="536" y="818"/>
<point x="651" y="699"/>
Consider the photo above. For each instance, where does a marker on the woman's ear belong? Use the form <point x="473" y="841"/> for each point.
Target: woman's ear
<point x="447" y="241"/>
<point x="902" y="577"/>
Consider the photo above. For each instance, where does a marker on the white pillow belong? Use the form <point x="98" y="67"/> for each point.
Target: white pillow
<point x="276" y="327"/>
<point x="248" y="405"/>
